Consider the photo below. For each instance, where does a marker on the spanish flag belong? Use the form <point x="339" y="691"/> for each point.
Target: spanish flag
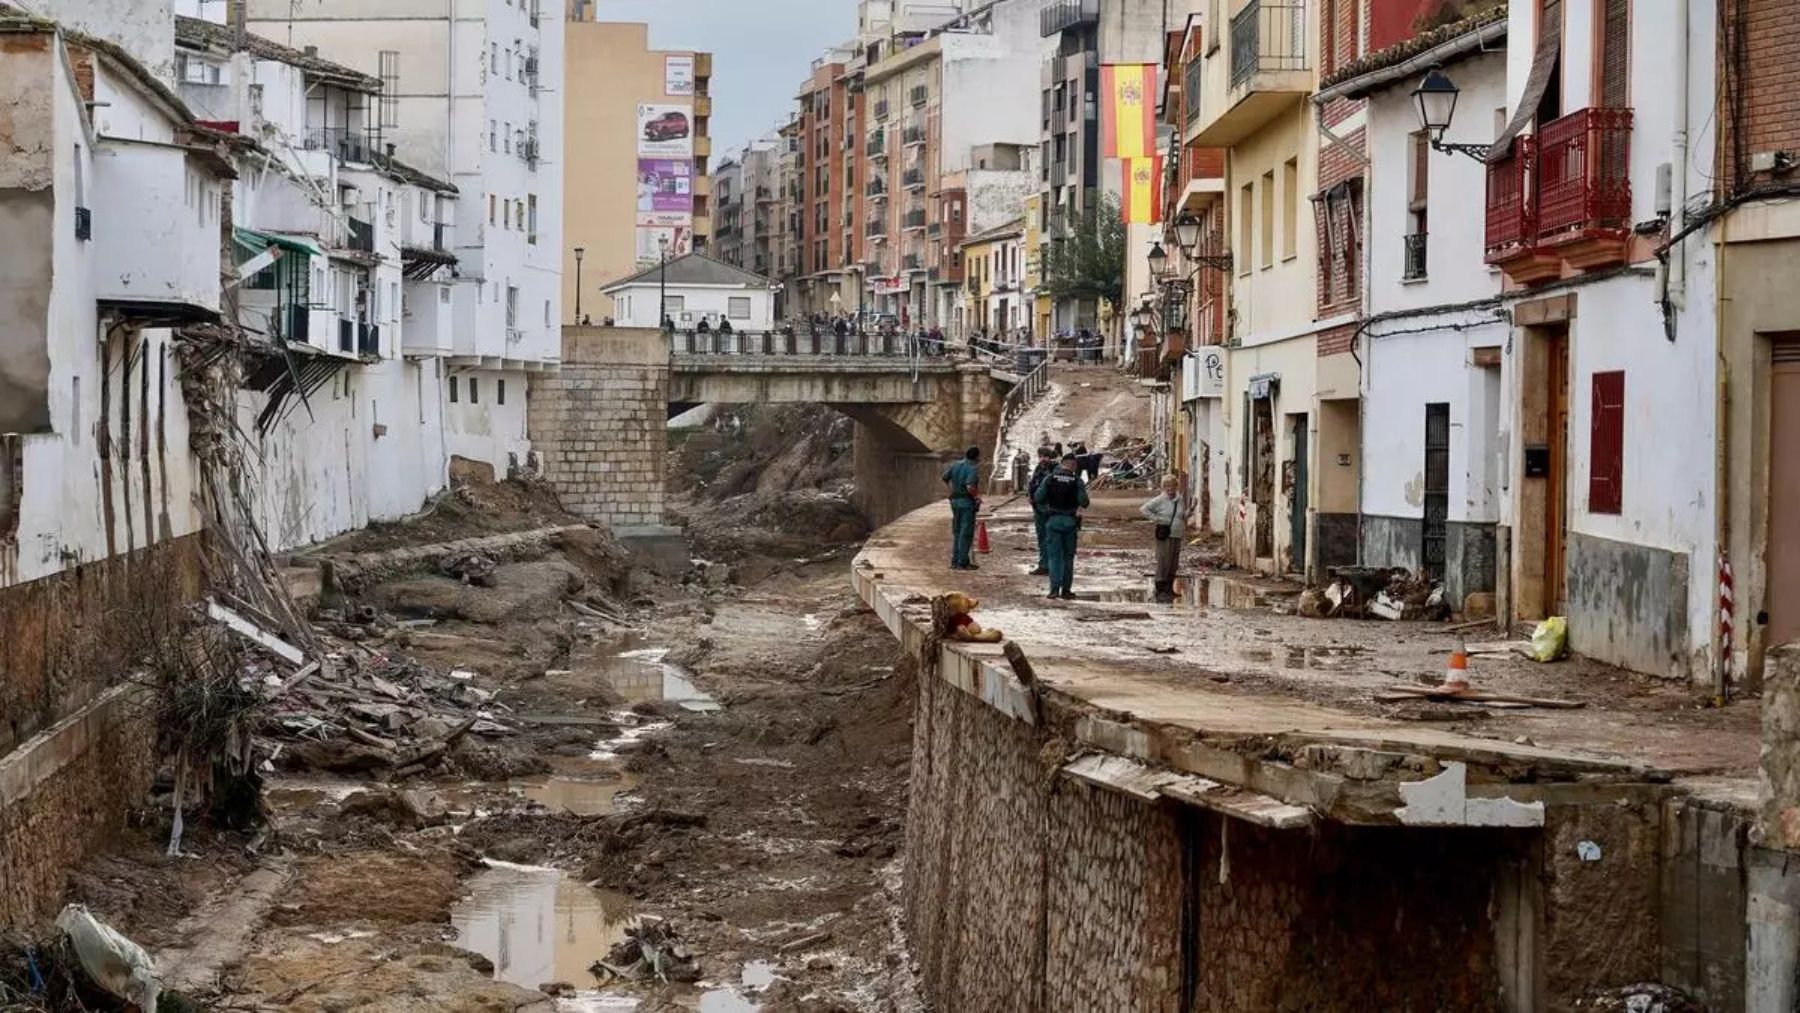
<point x="1142" y="195"/>
<point x="1128" y="123"/>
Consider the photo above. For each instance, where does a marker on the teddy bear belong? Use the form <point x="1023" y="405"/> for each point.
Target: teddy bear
<point x="951" y="619"/>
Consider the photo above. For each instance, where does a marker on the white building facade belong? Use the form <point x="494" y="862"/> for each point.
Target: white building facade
<point x="693" y="289"/>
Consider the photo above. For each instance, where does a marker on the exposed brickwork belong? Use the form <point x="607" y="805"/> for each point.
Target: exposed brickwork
<point x="1338" y="279"/>
<point x="1336" y="340"/>
<point x="1765" y="47"/>
<point x="600" y="424"/>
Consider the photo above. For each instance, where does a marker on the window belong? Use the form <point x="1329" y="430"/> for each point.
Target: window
<point x="444" y="295"/>
<point x="1268" y="219"/>
<point x="453" y="393"/>
<point x="493" y="57"/>
<point x="389" y="61"/>
<point x="1606" y="456"/>
<point x="1246" y="208"/>
<point x="493" y="136"/>
<point x="1290" y="209"/>
<point x="506" y="139"/>
<point x="546" y="313"/>
<point x="424" y="206"/>
<point x="675" y="304"/>
<point x="393" y="296"/>
<point x="474" y="391"/>
<point x="531" y="218"/>
<point x="491" y="209"/>
<point x="738" y="307"/>
<point x="512" y="306"/>
<point x="508" y="65"/>
<point x="75" y="410"/>
<point x="500" y="391"/>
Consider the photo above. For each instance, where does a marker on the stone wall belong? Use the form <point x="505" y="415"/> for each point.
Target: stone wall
<point x="891" y="483"/>
<point x="75" y="743"/>
<point x="600" y="424"/>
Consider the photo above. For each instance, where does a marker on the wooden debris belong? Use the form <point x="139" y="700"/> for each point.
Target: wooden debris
<point x="1436" y="693"/>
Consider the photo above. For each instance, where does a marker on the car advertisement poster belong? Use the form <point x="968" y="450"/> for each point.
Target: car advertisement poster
<point x="665" y="188"/>
<point x="650" y="240"/>
<point x="665" y="131"/>
<point x="678" y="75"/>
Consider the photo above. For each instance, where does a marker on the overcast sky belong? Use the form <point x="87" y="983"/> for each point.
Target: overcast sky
<point x="761" y="49"/>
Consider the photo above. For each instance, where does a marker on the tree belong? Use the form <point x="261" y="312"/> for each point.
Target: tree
<point x="1087" y="261"/>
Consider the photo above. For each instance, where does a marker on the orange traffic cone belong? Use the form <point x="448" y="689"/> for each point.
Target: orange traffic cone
<point x="981" y="539"/>
<point x="1456" y="673"/>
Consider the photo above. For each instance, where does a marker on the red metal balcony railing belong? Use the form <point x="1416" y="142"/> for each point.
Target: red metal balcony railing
<point x="1511" y="202"/>
<point x="1584" y="173"/>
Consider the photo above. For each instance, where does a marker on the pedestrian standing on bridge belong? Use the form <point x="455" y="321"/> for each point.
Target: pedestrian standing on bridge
<point x="1165" y="510"/>
<point x="1063" y="495"/>
<point x="964" y="482"/>
<point x="1046" y="464"/>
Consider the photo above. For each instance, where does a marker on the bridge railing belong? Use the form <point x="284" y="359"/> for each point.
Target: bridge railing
<point x="803" y="343"/>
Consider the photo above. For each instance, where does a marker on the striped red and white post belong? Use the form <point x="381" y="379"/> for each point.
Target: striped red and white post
<point x="1726" y="607"/>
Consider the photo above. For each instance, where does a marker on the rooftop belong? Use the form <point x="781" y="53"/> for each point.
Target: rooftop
<point x="217" y="38"/>
<point x="694" y="269"/>
<point x="1436" y="45"/>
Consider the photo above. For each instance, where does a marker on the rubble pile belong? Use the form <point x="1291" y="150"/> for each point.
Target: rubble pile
<point x="650" y="949"/>
<point x="1375" y="592"/>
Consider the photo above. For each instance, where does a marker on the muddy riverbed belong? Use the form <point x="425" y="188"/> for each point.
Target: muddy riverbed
<point x="723" y="763"/>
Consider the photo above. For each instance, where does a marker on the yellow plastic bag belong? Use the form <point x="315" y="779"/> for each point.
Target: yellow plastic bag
<point x="1550" y="641"/>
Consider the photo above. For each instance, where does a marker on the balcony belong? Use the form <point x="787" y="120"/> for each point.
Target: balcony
<point x="1563" y="196"/>
<point x="913" y="179"/>
<point x="918" y="95"/>
<point x="1066" y="14"/>
<point x="877" y="146"/>
<point x="167" y="263"/>
<point x="881" y="109"/>
<point x="368" y="340"/>
<point x="914" y="136"/>
<point x="914" y="219"/>
<point x="1415" y="248"/>
<point x="1262" y="74"/>
<point x="348" y="144"/>
<point x="702" y="146"/>
<point x="361" y="236"/>
<point x="876" y="229"/>
<point x="910" y="262"/>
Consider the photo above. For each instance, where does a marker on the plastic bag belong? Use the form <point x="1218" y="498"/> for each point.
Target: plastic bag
<point x="1550" y="641"/>
<point x="114" y="963"/>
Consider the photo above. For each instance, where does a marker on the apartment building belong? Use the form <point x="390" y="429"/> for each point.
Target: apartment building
<point x="638" y="125"/>
<point x="748" y="206"/>
<point x="1077" y="37"/>
<point x="473" y="97"/>
<point x="728" y="210"/>
<point x="830" y="164"/>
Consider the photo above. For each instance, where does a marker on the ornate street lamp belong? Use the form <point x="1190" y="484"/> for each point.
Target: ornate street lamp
<point x="1159" y="262"/>
<point x="1436" y="100"/>
<point x="1187" y="232"/>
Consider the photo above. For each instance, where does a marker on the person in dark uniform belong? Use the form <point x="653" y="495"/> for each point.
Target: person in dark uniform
<point x="1046" y="463"/>
<point x="1063" y="496"/>
<point x="964" y="482"/>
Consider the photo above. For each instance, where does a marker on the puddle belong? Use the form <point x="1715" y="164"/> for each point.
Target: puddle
<point x="1196" y="592"/>
<point x="725" y="1000"/>
<point x="759" y="974"/>
<point x="539" y="925"/>
<point x="641" y="674"/>
<point x="584" y="787"/>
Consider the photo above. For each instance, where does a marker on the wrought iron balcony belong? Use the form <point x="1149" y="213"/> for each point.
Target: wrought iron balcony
<point x="914" y="135"/>
<point x="1511" y="202"/>
<point x="348" y="145"/>
<point x="877" y="147"/>
<point x="913" y="179"/>
<point x="1584" y="174"/>
<point x="915" y="219"/>
<point x="1267" y="35"/>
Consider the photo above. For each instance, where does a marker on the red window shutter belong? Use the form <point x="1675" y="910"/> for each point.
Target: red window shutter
<point x="1606" y="463"/>
<point x="1615" y="55"/>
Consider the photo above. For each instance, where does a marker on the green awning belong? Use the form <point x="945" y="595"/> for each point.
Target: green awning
<point x="256" y="242"/>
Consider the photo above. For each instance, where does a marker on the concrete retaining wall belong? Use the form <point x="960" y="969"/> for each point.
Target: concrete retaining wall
<point x="1628" y="605"/>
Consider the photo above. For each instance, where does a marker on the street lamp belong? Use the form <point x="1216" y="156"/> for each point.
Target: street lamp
<point x="662" y="285"/>
<point x="1159" y="262"/>
<point x="579" y="251"/>
<point x="1187" y="232"/>
<point x="1436" y="99"/>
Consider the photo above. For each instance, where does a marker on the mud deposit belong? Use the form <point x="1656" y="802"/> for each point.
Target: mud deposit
<point x="722" y="762"/>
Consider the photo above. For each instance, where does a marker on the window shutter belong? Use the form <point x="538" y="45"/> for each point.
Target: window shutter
<point x="1606" y="465"/>
<point x="1615" y="55"/>
<point x="1543" y="65"/>
<point x="1421" y="170"/>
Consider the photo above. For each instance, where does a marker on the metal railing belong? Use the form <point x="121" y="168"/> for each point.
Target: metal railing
<point x="1415" y="255"/>
<point x="807" y="341"/>
<point x="1267" y="35"/>
<point x="913" y="135"/>
<point x="913" y="178"/>
<point x="362" y="236"/>
<point x="368" y="339"/>
<point x="1191" y="77"/>
<point x="347" y="144"/>
<point x="914" y="219"/>
<point x="877" y="146"/>
<point x="1511" y="201"/>
<point x="1066" y="14"/>
<point x="1024" y="393"/>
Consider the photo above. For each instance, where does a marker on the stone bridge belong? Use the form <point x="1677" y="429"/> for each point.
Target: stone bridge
<point x="599" y="424"/>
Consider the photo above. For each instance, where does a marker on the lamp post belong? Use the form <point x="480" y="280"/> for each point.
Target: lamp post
<point x="579" y="251"/>
<point x="1435" y="98"/>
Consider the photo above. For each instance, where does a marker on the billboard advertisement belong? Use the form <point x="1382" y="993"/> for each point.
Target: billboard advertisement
<point x="665" y="186"/>
<point x="678" y="75"/>
<point x="650" y="240"/>
<point x="665" y="131"/>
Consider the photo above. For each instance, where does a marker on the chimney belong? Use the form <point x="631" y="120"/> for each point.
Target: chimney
<point x="312" y="50"/>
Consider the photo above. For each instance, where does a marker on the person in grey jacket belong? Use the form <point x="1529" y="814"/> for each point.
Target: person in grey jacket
<point x="1165" y="510"/>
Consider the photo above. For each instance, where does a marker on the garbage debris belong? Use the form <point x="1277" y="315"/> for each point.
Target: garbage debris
<point x="469" y="567"/>
<point x="1550" y="641"/>
<point x="1643" y="997"/>
<point x="112" y="962"/>
<point x="650" y="949"/>
<point x="1375" y="592"/>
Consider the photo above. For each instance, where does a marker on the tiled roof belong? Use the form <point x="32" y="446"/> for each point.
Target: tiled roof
<point x="696" y="269"/>
<point x="1424" y="42"/>
<point x="211" y="35"/>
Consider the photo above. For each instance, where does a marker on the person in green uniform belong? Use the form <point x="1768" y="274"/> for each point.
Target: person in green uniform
<point x="1046" y="463"/>
<point x="1062" y="496"/>
<point x="964" y="482"/>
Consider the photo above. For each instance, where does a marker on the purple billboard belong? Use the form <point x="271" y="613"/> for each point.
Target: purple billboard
<point x="665" y="186"/>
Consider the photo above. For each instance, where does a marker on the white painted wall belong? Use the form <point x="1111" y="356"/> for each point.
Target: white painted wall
<point x="487" y="430"/>
<point x="636" y="305"/>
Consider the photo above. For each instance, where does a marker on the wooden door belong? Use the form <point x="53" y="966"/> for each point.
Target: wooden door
<point x="1436" y="530"/>
<point x="1297" y="499"/>
<point x="1782" y="597"/>
<point x="1556" y="498"/>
